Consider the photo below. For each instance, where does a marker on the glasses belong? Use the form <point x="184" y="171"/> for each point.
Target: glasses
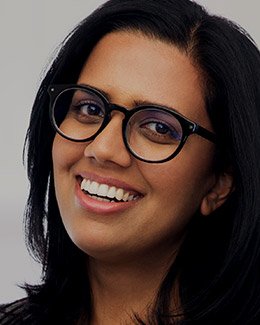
<point x="151" y="133"/>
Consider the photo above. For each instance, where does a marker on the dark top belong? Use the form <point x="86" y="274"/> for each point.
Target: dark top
<point x="14" y="313"/>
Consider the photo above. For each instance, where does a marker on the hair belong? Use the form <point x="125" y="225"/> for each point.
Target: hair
<point x="218" y="265"/>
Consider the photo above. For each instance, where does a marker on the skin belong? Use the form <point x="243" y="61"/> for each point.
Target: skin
<point x="131" y="250"/>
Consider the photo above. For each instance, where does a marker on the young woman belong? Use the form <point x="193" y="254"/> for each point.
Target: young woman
<point x="143" y="157"/>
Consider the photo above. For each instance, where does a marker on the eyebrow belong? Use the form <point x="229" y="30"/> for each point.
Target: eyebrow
<point x="148" y="103"/>
<point x="136" y="102"/>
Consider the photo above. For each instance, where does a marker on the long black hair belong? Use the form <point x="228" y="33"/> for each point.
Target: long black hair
<point x="218" y="264"/>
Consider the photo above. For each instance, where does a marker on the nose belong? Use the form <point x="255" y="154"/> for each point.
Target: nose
<point x="108" y="146"/>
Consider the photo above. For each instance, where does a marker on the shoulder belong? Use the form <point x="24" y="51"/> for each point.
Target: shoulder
<point x="14" y="312"/>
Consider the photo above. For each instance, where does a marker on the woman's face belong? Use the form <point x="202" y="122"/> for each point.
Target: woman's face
<point x="132" y="68"/>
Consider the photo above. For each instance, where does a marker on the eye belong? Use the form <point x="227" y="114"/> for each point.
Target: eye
<point x="88" y="108"/>
<point x="87" y="111"/>
<point x="158" y="127"/>
<point x="160" y="132"/>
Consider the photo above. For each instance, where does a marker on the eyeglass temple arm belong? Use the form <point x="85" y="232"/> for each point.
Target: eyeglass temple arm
<point x="205" y="133"/>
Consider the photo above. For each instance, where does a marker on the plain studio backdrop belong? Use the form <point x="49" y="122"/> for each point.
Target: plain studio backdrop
<point x="30" y="31"/>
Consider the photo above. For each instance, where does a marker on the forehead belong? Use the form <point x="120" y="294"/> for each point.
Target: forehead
<point x="131" y="67"/>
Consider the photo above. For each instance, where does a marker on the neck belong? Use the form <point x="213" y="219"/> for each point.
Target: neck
<point x="123" y="289"/>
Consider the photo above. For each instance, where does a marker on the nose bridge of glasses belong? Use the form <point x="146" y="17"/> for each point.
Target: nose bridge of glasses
<point x="110" y="108"/>
<point x="114" y="107"/>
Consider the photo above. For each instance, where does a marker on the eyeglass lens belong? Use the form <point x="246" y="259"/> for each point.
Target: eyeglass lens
<point x="152" y="134"/>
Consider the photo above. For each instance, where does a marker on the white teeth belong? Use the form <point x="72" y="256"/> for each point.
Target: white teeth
<point x="111" y="192"/>
<point x="101" y="199"/>
<point x="85" y="184"/>
<point x="119" y="194"/>
<point x="100" y="191"/>
<point x="82" y="185"/>
<point x="125" y="197"/>
<point x="93" y="188"/>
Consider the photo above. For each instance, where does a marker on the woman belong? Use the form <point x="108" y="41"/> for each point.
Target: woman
<point x="143" y="157"/>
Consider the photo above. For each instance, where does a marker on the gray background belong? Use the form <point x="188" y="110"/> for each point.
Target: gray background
<point x="30" y="30"/>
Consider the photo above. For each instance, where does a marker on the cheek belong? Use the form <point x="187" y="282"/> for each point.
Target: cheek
<point x="65" y="153"/>
<point x="179" y="185"/>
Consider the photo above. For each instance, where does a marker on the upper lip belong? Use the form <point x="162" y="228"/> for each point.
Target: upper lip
<point x="110" y="181"/>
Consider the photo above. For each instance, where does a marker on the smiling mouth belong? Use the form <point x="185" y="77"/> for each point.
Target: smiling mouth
<point x="107" y="193"/>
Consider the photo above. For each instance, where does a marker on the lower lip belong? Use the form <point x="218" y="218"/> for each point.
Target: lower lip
<point x="100" y="207"/>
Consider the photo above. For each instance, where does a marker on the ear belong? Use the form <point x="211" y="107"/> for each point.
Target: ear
<point x="218" y="194"/>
